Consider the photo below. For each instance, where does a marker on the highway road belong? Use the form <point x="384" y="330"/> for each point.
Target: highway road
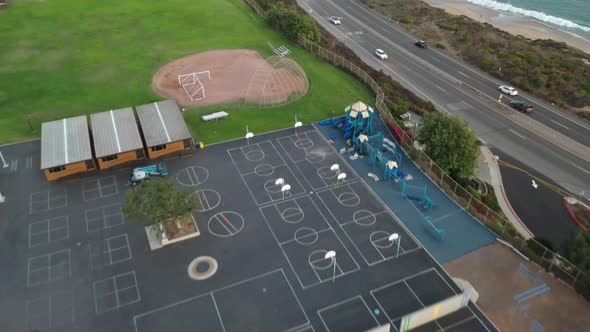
<point x="436" y="77"/>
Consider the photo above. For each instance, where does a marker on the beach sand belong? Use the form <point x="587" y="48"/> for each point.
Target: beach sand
<point x="510" y="23"/>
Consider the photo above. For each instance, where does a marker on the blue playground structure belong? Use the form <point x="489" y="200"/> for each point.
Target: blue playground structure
<point x="141" y="174"/>
<point x="431" y="228"/>
<point x="425" y="201"/>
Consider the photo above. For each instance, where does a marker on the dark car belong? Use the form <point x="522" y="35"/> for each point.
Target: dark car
<point x="421" y="44"/>
<point x="521" y="106"/>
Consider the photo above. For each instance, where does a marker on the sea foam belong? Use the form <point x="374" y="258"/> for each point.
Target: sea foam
<point x="531" y="13"/>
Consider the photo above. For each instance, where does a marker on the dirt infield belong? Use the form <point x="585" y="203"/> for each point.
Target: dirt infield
<point x="236" y="75"/>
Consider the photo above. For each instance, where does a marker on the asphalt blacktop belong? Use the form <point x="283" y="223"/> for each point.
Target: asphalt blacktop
<point x="72" y="262"/>
<point x="541" y="209"/>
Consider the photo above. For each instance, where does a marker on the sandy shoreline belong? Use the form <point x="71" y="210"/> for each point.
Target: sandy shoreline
<point x="517" y="26"/>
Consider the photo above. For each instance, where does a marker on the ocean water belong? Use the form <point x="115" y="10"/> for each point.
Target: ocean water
<point x="569" y="15"/>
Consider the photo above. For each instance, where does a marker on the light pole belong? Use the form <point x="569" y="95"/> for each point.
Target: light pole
<point x="284" y="189"/>
<point x="395" y="237"/>
<point x="332" y="255"/>
<point x="248" y="135"/>
<point x="341" y="176"/>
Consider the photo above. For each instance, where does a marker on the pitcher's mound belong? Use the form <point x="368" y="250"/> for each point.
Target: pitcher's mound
<point x="224" y="76"/>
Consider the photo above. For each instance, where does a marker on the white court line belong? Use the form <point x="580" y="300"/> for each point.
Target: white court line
<point x="217" y="310"/>
<point x="342" y="302"/>
<point x="418" y="298"/>
<point x="517" y="134"/>
<point x="559" y="124"/>
<point x="225" y="288"/>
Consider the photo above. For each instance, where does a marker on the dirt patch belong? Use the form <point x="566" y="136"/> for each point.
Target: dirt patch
<point x="236" y="75"/>
<point x="492" y="270"/>
<point x="187" y="227"/>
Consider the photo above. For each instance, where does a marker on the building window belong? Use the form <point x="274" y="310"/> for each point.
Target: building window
<point x="57" y="169"/>
<point x="158" y="147"/>
<point x="110" y="158"/>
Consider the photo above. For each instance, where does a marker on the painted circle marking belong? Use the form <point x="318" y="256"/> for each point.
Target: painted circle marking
<point x="380" y="239"/>
<point x="303" y="143"/>
<point x="192" y="176"/>
<point x="202" y="268"/>
<point x="292" y="215"/>
<point x="326" y="173"/>
<point x="206" y="199"/>
<point x="364" y="218"/>
<point x="254" y="155"/>
<point x="314" y="156"/>
<point x="264" y="170"/>
<point x="349" y="199"/>
<point x="225" y="224"/>
<point x="318" y="261"/>
<point x="306" y="236"/>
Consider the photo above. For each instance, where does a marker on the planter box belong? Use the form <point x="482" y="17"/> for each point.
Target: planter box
<point x="157" y="242"/>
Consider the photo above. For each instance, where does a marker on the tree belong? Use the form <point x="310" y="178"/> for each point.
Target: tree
<point x="294" y="25"/>
<point x="577" y="250"/>
<point x="450" y="143"/>
<point x="157" y="202"/>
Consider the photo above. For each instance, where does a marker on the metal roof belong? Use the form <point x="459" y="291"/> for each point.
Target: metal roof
<point x="162" y="123"/>
<point x="115" y="132"/>
<point x="65" y="141"/>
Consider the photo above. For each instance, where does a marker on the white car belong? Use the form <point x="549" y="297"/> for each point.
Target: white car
<point x="381" y="54"/>
<point x="508" y="90"/>
<point x="335" y="20"/>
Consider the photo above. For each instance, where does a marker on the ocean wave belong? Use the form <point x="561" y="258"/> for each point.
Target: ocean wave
<point x="531" y="13"/>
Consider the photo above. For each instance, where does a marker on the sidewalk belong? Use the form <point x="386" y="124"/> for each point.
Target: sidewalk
<point x="489" y="171"/>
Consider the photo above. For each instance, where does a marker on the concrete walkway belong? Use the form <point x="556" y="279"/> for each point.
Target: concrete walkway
<point x="489" y="171"/>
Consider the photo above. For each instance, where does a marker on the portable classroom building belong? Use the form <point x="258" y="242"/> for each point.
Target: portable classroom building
<point x="65" y="147"/>
<point x="164" y="129"/>
<point x="116" y="138"/>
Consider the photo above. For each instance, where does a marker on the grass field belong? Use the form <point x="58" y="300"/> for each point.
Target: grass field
<point x="62" y="58"/>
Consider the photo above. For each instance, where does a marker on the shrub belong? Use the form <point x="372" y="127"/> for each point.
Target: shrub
<point x="540" y="81"/>
<point x="288" y="20"/>
<point x="440" y="46"/>
<point x="407" y="20"/>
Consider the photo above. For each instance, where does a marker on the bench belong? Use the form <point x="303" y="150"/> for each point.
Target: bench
<point x="281" y="51"/>
<point x="215" y="116"/>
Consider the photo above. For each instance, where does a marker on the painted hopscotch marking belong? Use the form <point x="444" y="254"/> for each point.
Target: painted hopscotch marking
<point x="104" y="217"/>
<point x="302" y="327"/>
<point x="100" y="188"/>
<point x="47" y="200"/>
<point x="363" y="304"/>
<point x="115" y="292"/>
<point x="44" y="269"/>
<point x="51" y="311"/>
<point x="48" y="230"/>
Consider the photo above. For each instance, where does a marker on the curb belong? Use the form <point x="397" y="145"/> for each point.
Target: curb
<point x="573" y="216"/>
<point x="514" y="213"/>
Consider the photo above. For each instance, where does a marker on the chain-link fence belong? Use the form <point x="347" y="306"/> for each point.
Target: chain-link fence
<point x="498" y="224"/>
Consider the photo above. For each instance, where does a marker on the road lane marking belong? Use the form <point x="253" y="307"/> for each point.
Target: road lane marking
<point x="517" y="134"/>
<point x="440" y="88"/>
<point x="435" y="59"/>
<point x="460" y="72"/>
<point x="580" y="168"/>
<point x="4" y="164"/>
<point x="559" y="124"/>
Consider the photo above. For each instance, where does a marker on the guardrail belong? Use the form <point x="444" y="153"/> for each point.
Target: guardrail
<point x="535" y="251"/>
